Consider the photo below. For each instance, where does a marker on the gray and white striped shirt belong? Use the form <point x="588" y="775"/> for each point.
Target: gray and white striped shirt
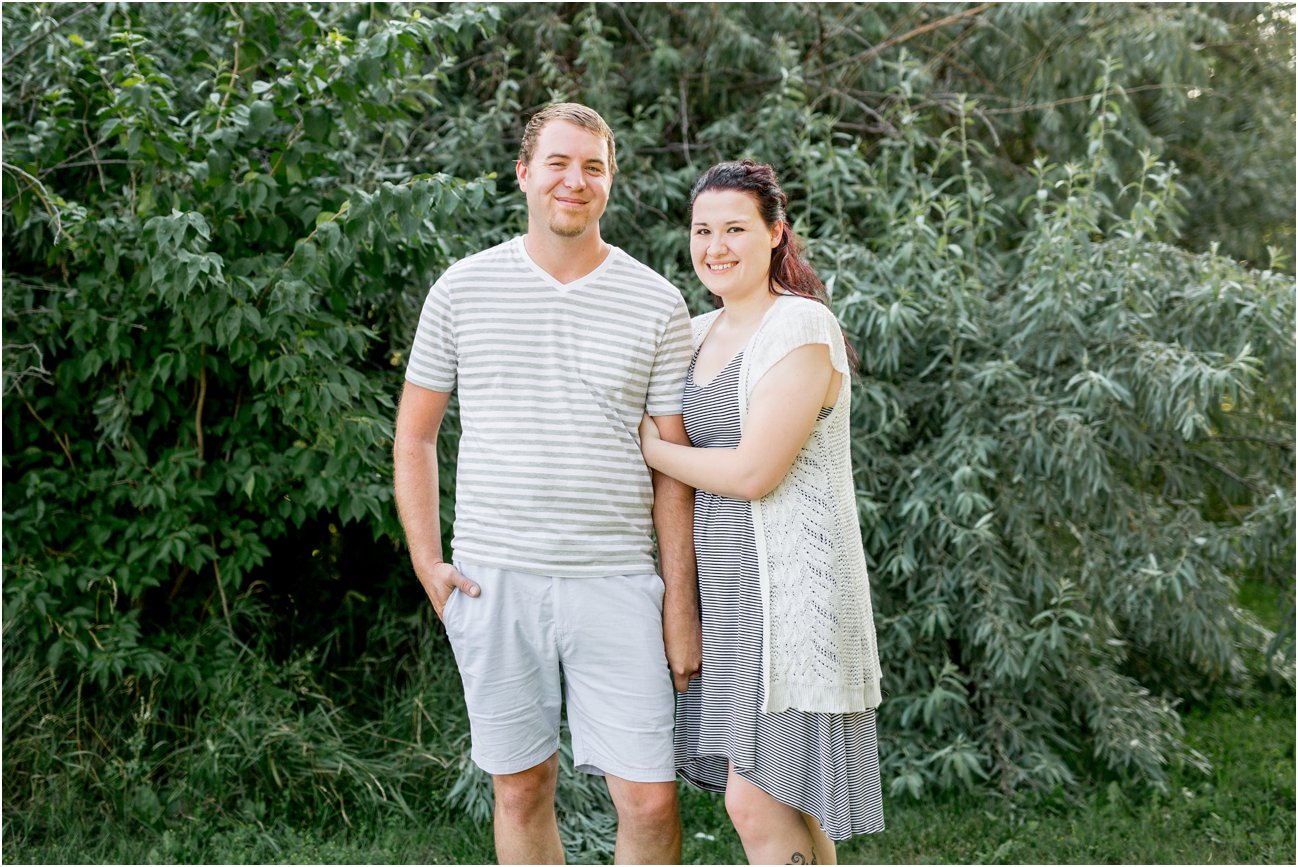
<point x="553" y="379"/>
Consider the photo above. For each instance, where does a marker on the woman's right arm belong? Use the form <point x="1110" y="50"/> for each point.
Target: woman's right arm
<point x="781" y="414"/>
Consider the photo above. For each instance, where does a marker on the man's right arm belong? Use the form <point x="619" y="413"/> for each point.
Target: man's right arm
<point x="414" y="463"/>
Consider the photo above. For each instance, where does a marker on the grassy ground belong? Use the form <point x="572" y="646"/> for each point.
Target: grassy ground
<point x="1240" y="812"/>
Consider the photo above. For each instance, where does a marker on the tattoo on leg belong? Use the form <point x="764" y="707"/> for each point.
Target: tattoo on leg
<point x="798" y="858"/>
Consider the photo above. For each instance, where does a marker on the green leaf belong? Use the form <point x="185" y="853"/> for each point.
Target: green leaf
<point x="260" y="116"/>
<point x="370" y="70"/>
<point x="316" y="123"/>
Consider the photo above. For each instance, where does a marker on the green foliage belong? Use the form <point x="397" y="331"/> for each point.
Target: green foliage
<point x="1057" y="234"/>
<point x="218" y="302"/>
<point x="1054" y="567"/>
<point x="1241" y="813"/>
<point x="274" y="740"/>
<point x="199" y="321"/>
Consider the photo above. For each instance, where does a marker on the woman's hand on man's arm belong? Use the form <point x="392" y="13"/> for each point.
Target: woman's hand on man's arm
<point x="783" y="409"/>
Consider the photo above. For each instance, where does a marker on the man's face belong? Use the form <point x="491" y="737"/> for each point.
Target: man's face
<point x="567" y="181"/>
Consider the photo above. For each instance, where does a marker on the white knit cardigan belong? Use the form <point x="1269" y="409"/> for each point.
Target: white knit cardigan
<point x="817" y="623"/>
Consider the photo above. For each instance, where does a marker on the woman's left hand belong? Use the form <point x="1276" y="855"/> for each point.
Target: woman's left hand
<point x="648" y="431"/>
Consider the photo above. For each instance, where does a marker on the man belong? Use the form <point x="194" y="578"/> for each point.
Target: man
<point x="558" y="343"/>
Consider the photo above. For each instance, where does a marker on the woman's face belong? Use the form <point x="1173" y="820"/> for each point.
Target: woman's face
<point x="730" y="245"/>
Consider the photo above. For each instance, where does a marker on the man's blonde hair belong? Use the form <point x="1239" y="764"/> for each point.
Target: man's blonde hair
<point x="575" y="114"/>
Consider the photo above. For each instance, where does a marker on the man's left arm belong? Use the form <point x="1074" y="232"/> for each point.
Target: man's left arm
<point x="673" y="514"/>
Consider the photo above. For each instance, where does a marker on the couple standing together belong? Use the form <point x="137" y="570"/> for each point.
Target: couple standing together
<point x="576" y="368"/>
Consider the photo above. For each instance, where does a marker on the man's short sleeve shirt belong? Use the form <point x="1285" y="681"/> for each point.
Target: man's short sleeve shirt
<point x="552" y="381"/>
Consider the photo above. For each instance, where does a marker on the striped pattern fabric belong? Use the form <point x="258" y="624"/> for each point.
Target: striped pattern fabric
<point x="552" y="381"/>
<point x="824" y="764"/>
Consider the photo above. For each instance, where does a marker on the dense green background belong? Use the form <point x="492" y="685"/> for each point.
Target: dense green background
<point x="1059" y="236"/>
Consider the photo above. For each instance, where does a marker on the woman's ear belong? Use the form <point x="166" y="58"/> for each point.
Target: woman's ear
<point x="777" y="234"/>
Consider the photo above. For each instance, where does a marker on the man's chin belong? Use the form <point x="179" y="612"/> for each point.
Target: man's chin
<point x="569" y="230"/>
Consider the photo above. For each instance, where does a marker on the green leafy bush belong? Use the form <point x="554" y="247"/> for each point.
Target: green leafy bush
<point x="201" y="300"/>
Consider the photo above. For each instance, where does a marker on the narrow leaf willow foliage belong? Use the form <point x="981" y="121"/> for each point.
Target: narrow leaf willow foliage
<point x="1059" y="237"/>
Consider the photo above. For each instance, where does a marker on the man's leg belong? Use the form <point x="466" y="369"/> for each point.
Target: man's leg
<point x="505" y="649"/>
<point x="648" y="822"/>
<point x="526" y="829"/>
<point x="620" y="706"/>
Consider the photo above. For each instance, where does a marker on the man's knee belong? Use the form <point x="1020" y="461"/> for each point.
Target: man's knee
<point x="652" y="804"/>
<point x="527" y="793"/>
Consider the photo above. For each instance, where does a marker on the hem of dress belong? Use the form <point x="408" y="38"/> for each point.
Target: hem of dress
<point x="681" y="769"/>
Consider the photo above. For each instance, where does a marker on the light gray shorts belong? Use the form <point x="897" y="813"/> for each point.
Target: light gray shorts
<point x="513" y="640"/>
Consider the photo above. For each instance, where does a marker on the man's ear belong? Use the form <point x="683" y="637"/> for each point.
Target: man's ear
<point x="520" y="172"/>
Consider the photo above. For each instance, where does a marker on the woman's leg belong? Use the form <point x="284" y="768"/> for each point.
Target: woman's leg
<point x="825" y="852"/>
<point x="772" y="832"/>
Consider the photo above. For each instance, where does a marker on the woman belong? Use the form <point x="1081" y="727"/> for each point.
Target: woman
<point x="782" y="717"/>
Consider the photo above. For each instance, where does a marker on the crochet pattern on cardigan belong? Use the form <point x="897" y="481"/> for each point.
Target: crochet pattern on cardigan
<point x="818" y="636"/>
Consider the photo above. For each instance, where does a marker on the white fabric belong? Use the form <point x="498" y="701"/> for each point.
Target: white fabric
<point x="604" y="635"/>
<point x="818" y="624"/>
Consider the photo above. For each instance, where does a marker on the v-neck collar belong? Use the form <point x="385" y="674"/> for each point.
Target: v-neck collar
<point x="703" y="338"/>
<point x="734" y="359"/>
<point x="565" y="288"/>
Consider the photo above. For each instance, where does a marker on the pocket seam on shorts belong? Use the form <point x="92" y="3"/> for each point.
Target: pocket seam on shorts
<point x="446" y="608"/>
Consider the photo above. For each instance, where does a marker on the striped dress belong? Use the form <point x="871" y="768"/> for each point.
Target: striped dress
<point x="826" y="765"/>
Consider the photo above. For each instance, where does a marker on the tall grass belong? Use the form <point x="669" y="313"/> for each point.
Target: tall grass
<point x="1243" y="812"/>
<point x="326" y="744"/>
<point x="275" y="770"/>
